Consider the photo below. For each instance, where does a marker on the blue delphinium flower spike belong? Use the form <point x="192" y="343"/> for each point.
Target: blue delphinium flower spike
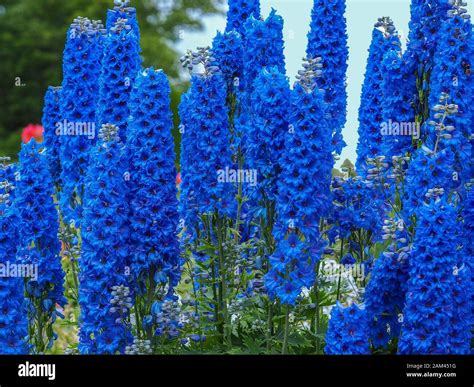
<point x="239" y="11"/>
<point x="38" y="243"/>
<point x="105" y="253"/>
<point x="385" y="293"/>
<point x="78" y="123"/>
<point x="153" y="196"/>
<point x="120" y="65"/>
<point x="205" y="153"/>
<point x="13" y="317"/>
<point x="328" y="39"/>
<point x="347" y="332"/>
<point x="51" y="118"/>
<point x="302" y="199"/>
<point x="436" y="318"/>
<point x="384" y="37"/>
<point x="265" y="138"/>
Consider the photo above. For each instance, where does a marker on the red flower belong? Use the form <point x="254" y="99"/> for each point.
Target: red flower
<point x="178" y="179"/>
<point x="32" y="131"/>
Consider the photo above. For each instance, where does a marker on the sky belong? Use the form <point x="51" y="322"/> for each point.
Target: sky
<point x="361" y="16"/>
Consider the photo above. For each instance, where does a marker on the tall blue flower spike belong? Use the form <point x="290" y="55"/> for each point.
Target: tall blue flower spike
<point x="263" y="47"/>
<point x="302" y="199"/>
<point x="13" y="317"/>
<point x="51" y="118"/>
<point x="434" y="164"/>
<point x="385" y="293"/>
<point x="452" y="75"/>
<point x="228" y="52"/>
<point x="327" y="39"/>
<point x="265" y="140"/>
<point x="357" y="205"/>
<point x="153" y="195"/>
<point x="120" y="66"/>
<point x="239" y="12"/>
<point x="436" y="318"/>
<point x="399" y="127"/>
<point x="347" y="332"/>
<point x="427" y="17"/>
<point x="205" y="148"/>
<point x="38" y="243"/>
<point x="104" y="294"/>
<point x="78" y="121"/>
<point x="123" y="11"/>
<point x="384" y="37"/>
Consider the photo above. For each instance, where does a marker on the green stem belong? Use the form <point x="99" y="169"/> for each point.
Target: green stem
<point x="339" y="279"/>
<point x="287" y="330"/>
<point x="269" y="325"/>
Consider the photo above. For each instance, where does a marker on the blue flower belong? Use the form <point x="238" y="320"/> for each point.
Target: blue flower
<point x="13" y="318"/>
<point x="263" y="47"/>
<point x="347" y="332"/>
<point x="384" y="37"/>
<point x="302" y="199"/>
<point x="385" y="293"/>
<point x="125" y="13"/>
<point x="451" y="75"/>
<point x="357" y="205"/>
<point x="427" y="17"/>
<point x="328" y="39"/>
<point x="205" y="151"/>
<point x="38" y="227"/>
<point x="51" y="117"/>
<point x="436" y="318"/>
<point x="265" y="138"/>
<point x="153" y="195"/>
<point x="105" y="250"/>
<point x="239" y="12"/>
<point x="120" y="65"/>
<point x="348" y="259"/>
<point x="398" y="100"/>
<point x="81" y="68"/>
<point x="426" y="170"/>
<point x="228" y="52"/>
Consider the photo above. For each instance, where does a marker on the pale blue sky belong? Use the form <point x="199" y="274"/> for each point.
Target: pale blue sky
<point x="361" y="16"/>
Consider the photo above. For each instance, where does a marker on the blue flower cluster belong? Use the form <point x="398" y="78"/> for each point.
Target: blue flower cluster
<point x="468" y="243"/>
<point x="437" y="312"/>
<point x="384" y="37"/>
<point x="327" y="39"/>
<point x="427" y="16"/>
<point x="452" y="75"/>
<point x="105" y="235"/>
<point x="357" y="205"/>
<point x="427" y="170"/>
<point x="239" y="11"/>
<point x="51" y="117"/>
<point x="228" y="52"/>
<point x="302" y="198"/>
<point x="81" y="68"/>
<point x="265" y="138"/>
<point x="124" y="12"/>
<point x="153" y="194"/>
<point x="205" y="151"/>
<point x="385" y="293"/>
<point x="13" y="321"/>
<point x="263" y="47"/>
<point x="398" y="98"/>
<point x="120" y="66"/>
<point x="38" y="227"/>
<point x="347" y="331"/>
